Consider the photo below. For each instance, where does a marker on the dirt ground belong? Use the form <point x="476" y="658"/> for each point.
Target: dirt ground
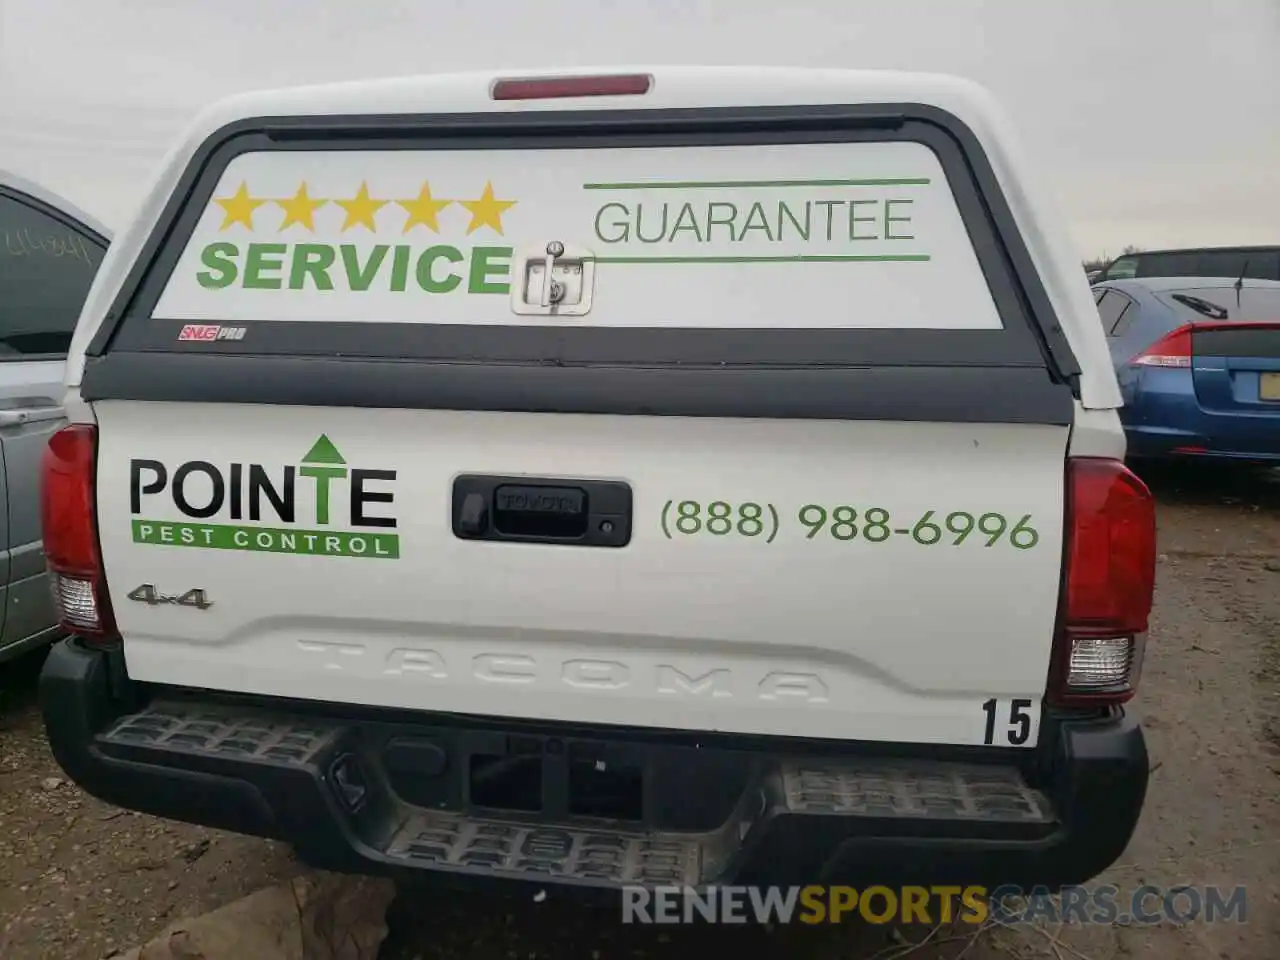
<point x="81" y="879"/>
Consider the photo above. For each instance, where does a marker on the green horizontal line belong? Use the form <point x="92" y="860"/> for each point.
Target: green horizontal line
<point x="890" y="258"/>
<point x="720" y="184"/>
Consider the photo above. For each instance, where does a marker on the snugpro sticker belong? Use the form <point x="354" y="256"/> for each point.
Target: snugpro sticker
<point x="319" y="507"/>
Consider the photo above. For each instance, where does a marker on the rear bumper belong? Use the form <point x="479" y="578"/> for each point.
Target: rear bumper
<point x="368" y="794"/>
<point x="1165" y="418"/>
<point x="1159" y="443"/>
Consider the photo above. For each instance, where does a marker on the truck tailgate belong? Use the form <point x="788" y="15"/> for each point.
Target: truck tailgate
<point x="827" y="579"/>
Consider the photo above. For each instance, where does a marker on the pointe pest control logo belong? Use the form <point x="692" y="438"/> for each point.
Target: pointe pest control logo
<point x="320" y="506"/>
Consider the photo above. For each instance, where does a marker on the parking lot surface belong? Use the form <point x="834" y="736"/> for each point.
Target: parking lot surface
<point x="82" y="879"/>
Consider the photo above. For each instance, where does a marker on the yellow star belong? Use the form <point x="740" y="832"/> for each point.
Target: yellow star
<point x="486" y="212"/>
<point x="360" y="209"/>
<point x="300" y="208"/>
<point x="423" y="209"/>
<point x="239" y="208"/>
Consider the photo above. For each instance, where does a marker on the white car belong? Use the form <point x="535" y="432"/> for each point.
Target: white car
<point x="673" y="476"/>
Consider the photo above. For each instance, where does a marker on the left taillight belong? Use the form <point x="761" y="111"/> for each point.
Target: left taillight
<point x="70" y="530"/>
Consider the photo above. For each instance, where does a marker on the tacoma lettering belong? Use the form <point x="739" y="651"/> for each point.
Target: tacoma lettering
<point x="709" y="683"/>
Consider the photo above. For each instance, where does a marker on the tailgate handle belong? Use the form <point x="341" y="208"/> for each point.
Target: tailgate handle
<point x="553" y="280"/>
<point x="559" y="513"/>
<point x="587" y="513"/>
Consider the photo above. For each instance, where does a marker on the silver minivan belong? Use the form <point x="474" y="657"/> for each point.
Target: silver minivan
<point x="49" y="254"/>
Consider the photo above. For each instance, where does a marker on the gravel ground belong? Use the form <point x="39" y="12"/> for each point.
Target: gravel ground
<point x="81" y="878"/>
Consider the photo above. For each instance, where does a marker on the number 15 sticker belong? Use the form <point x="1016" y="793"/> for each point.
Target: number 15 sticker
<point x="1011" y="723"/>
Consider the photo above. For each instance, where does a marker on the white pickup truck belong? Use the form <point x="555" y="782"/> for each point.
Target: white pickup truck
<point x="674" y="476"/>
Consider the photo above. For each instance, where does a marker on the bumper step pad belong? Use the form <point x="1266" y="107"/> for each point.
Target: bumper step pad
<point x="289" y="757"/>
<point x="936" y="791"/>
<point x="225" y="733"/>
<point x="431" y="839"/>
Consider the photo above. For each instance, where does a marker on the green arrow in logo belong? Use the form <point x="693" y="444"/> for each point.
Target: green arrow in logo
<point x="323" y="452"/>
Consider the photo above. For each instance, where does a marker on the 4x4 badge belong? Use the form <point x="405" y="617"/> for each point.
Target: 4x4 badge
<point x="147" y="593"/>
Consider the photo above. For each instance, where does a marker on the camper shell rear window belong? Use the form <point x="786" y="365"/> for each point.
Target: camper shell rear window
<point x="810" y="244"/>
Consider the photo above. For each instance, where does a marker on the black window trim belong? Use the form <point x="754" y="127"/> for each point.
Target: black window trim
<point x="25" y="199"/>
<point x="131" y="338"/>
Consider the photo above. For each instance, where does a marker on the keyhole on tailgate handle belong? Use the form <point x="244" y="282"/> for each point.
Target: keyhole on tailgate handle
<point x="552" y="289"/>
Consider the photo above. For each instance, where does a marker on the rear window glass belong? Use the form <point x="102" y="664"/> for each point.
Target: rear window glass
<point x="819" y="236"/>
<point x="1166" y="265"/>
<point x="1252" y="265"/>
<point x="1260" y="266"/>
<point x="1196" y="305"/>
<point x="1220" y="264"/>
<point x="1111" y="309"/>
<point x="1123" y="269"/>
<point x="46" y="269"/>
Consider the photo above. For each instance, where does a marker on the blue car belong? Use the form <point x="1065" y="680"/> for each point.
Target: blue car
<point x="1198" y="361"/>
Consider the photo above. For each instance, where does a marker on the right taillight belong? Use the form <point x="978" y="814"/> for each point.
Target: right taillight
<point x="1110" y="582"/>
<point x="70" y="533"/>
<point x="1171" y="350"/>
